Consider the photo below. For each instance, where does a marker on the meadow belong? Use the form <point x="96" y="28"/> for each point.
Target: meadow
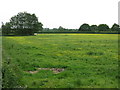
<point x="64" y="60"/>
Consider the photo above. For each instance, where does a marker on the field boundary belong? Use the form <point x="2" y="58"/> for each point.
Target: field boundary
<point x="79" y="32"/>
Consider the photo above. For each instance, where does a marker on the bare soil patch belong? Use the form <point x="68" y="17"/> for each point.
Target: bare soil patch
<point x="55" y="70"/>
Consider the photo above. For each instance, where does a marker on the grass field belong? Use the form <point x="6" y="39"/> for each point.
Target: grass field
<point x="85" y="60"/>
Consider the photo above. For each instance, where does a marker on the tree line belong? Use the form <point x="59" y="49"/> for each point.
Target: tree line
<point x="87" y="28"/>
<point x="101" y="27"/>
<point x="27" y="24"/>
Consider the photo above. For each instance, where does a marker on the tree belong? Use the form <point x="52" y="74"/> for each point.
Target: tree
<point x="115" y="27"/>
<point x="94" y="28"/>
<point x="25" y="24"/>
<point x="6" y="29"/>
<point x="103" y="27"/>
<point x="84" y="27"/>
<point x="61" y="28"/>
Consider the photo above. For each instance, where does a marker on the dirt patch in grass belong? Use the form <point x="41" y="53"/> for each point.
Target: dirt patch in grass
<point x="55" y="70"/>
<point x="32" y="72"/>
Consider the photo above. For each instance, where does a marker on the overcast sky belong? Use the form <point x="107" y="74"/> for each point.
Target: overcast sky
<point x="65" y="13"/>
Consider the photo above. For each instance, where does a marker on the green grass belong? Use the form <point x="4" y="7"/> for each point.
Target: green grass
<point x="89" y="60"/>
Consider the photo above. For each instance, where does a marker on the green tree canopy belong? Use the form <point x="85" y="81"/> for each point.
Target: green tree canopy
<point x="103" y="27"/>
<point x="6" y="28"/>
<point x="61" y="28"/>
<point x="115" y="27"/>
<point x="94" y="28"/>
<point x="84" y="27"/>
<point x="25" y="24"/>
